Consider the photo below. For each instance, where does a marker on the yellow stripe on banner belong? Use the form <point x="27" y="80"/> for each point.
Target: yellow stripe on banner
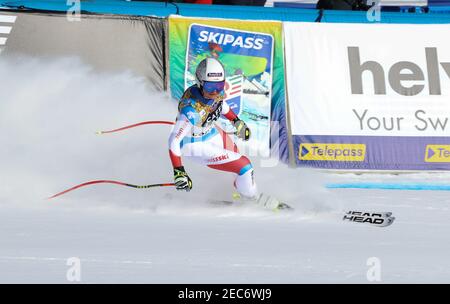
<point x="437" y="154"/>
<point x="332" y="152"/>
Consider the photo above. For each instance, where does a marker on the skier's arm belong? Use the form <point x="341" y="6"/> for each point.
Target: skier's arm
<point x="227" y="112"/>
<point x="242" y="131"/>
<point x="182" y="128"/>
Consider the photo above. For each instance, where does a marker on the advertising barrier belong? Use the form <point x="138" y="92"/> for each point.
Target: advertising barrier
<point x="252" y="54"/>
<point x="361" y="96"/>
<point x="369" y="96"/>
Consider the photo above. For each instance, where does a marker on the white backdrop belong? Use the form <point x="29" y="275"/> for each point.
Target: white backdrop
<point x="320" y="94"/>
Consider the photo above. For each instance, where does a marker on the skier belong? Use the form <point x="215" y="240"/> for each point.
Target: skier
<point x="195" y="135"/>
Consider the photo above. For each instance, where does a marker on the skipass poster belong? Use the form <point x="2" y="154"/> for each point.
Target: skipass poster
<point x="247" y="54"/>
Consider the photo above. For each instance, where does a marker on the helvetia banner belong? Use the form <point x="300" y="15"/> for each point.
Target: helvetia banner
<point x="369" y="96"/>
<point x="253" y="67"/>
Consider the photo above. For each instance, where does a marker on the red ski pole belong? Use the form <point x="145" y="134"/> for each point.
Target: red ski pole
<point x="151" y="122"/>
<point x="110" y="182"/>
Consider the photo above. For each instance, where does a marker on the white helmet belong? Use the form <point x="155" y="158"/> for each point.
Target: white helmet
<point x="209" y="69"/>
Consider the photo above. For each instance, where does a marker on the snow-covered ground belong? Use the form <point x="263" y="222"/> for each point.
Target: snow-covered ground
<point x="49" y="113"/>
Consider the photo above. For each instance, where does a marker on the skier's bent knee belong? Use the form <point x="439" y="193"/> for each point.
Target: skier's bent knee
<point x="245" y="184"/>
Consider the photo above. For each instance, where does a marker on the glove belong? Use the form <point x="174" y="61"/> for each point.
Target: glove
<point x="242" y="131"/>
<point x="182" y="180"/>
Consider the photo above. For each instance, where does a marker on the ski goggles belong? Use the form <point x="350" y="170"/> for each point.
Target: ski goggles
<point x="213" y="86"/>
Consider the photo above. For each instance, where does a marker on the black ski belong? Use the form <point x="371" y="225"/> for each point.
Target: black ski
<point x="378" y="219"/>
